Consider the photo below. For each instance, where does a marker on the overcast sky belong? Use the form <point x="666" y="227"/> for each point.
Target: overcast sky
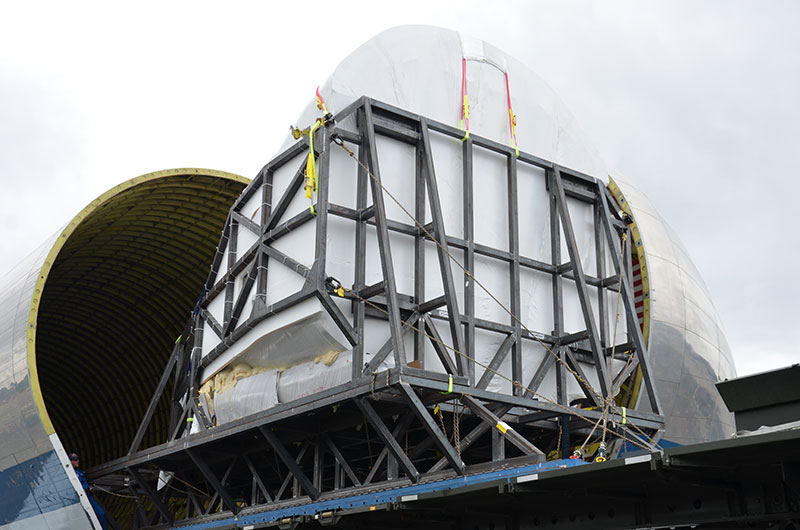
<point x="696" y="103"/>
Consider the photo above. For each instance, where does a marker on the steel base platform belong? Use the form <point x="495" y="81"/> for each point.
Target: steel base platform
<point x="371" y="433"/>
<point x="745" y="483"/>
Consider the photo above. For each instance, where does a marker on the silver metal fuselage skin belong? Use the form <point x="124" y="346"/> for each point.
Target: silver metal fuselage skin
<point x="40" y="490"/>
<point x="54" y="361"/>
<point x="687" y="345"/>
<point x="687" y="348"/>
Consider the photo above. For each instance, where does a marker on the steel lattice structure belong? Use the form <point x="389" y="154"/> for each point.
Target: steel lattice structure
<point x="406" y="424"/>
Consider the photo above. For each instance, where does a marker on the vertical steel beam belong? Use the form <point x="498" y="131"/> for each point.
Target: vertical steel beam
<point x="192" y="505"/>
<point x="498" y="446"/>
<point x="199" y="415"/>
<point x="230" y="281"/>
<point x="453" y="313"/>
<point x="600" y="262"/>
<point x="419" y="245"/>
<point x="392" y="467"/>
<point x="566" y="442"/>
<point x="177" y="429"/>
<point x="323" y="185"/>
<point x="469" y="256"/>
<point x="561" y="377"/>
<point x="180" y="382"/>
<point x="319" y="462"/>
<point x="254" y="497"/>
<point x="580" y="283"/>
<point x="558" y="288"/>
<point x="387" y="264"/>
<point x="515" y="294"/>
<point x="360" y="258"/>
<point x="602" y="299"/>
<point x="263" y="260"/>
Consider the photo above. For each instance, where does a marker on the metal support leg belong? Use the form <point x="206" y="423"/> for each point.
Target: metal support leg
<point x="580" y="283"/>
<point x="432" y="429"/>
<point x="388" y="439"/>
<point x="289" y="462"/>
<point x="513" y="436"/>
<point x="152" y="495"/>
<point x="213" y="481"/>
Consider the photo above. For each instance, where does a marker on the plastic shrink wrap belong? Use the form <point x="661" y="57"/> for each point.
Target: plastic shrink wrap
<point x="246" y="396"/>
<point x="424" y="70"/>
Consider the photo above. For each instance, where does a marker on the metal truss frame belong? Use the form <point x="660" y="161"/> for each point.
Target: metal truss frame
<point x="406" y="424"/>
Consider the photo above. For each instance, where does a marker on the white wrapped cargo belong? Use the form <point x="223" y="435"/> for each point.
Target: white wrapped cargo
<point x="425" y="71"/>
<point x="312" y="377"/>
<point x="249" y="395"/>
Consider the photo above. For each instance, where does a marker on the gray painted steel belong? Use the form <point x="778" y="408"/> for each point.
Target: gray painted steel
<point x="763" y="400"/>
<point x="687" y="349"/>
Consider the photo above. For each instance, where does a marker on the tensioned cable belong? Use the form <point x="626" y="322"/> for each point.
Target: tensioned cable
<point x="114" y="493"/>
<point x="566" y="409"/>
<point x="607" y="401"/>
<point x="614" y="337"/>
<point x="470" y="275"/>
<point x="588" y="386"/>
<point x="338" y="141"/>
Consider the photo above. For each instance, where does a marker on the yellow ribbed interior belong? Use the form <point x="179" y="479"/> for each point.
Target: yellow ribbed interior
<point x="116" y="291"/>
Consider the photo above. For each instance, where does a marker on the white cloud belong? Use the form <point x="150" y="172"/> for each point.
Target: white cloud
<point x="695" y="102"/>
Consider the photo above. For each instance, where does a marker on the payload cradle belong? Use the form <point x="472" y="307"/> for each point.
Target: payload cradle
<point x="441" y="281"/>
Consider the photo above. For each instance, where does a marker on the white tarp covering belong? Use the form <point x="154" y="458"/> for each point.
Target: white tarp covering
<point x="313" y="377"/>
<point x="243" y="390"/>
<point x="420" y="69"/>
